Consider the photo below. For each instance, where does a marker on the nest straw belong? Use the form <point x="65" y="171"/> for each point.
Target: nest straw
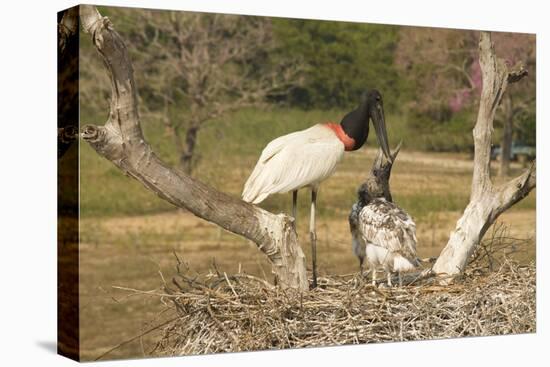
<point x="224" y="313"/>
<point x="239" y="312"/>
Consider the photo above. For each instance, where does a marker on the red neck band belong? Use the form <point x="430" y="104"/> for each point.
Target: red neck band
<point x="349" y="143"/>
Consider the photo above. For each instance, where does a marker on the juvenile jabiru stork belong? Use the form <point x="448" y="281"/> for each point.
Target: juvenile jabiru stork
<point x="381" y="231"/>
<point x="306" y="158"/>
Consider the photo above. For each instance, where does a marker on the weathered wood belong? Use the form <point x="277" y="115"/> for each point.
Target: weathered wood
<point x="122" y="142"/>
<point x="486" y="201"/>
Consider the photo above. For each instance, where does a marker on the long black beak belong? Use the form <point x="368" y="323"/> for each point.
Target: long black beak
<point x="379" y="122"/>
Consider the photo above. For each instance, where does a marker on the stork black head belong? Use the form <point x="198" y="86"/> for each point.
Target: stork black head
<point x="356" y="123"/>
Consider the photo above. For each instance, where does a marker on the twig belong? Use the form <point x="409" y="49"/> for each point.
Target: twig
<point x="135" y="338"/>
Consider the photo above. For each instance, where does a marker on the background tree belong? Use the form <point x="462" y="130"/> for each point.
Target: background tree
<point x="517" y="117"/>
<point x="444" y="82"/>
<point x="341" y="59"/>
<point x="195" y="67"/>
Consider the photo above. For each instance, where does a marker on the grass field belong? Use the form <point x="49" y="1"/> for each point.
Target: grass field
<point x="128" y="235"/>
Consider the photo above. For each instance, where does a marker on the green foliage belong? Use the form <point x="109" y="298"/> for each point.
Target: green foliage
<point x="342" y="59"/>
<point x="453" y="133"/>
<point x="527" y="132"/>
<point x="527" y="128"/>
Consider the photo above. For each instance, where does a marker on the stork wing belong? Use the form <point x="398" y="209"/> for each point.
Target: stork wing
<point x="276" y="145"/>
<point x="385" y="224"/>
<point x="357" y="242"/>
<point x="294" y="161"/>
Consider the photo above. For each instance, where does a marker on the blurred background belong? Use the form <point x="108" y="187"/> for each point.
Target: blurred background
<point x="215" y="89"/>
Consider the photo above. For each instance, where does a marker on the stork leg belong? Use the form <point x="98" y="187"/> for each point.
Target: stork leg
<point x="374" y="276"/>
<point x="313" y="236"/>
<point x="400" y="279"/>
<point x="294" y="202"/>
<point x="389" y="279"/>
<point x="361" y="260"/>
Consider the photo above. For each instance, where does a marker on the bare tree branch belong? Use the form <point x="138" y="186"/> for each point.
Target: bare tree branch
<point x="517" y="73"/>
<point x="121" y="141"/>
<point x="486" y="201"/>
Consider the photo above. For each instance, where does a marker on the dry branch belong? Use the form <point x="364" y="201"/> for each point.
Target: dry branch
<point x="487" y="202"/>
<point x="121" y="141"/>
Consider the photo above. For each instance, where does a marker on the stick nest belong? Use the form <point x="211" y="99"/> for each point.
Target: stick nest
<point x="227" y="313"/>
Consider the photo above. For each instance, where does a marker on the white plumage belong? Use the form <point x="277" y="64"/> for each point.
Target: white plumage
<point x="308" y="157"/>
<point x="385" y="235"/>
<point x="293" y="161"/>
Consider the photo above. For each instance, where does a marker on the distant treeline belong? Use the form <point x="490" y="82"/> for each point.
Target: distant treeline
<point x="341" y="60"/>
<point x="430" y="76"/>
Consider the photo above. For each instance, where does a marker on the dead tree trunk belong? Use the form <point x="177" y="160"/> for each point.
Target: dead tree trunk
<point x="487" y="202"/>
<point x="187" y="155"/>
<point x="121" y="141"/>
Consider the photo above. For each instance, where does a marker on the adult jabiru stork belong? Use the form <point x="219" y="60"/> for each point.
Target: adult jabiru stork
<point x="306" y="158"/>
